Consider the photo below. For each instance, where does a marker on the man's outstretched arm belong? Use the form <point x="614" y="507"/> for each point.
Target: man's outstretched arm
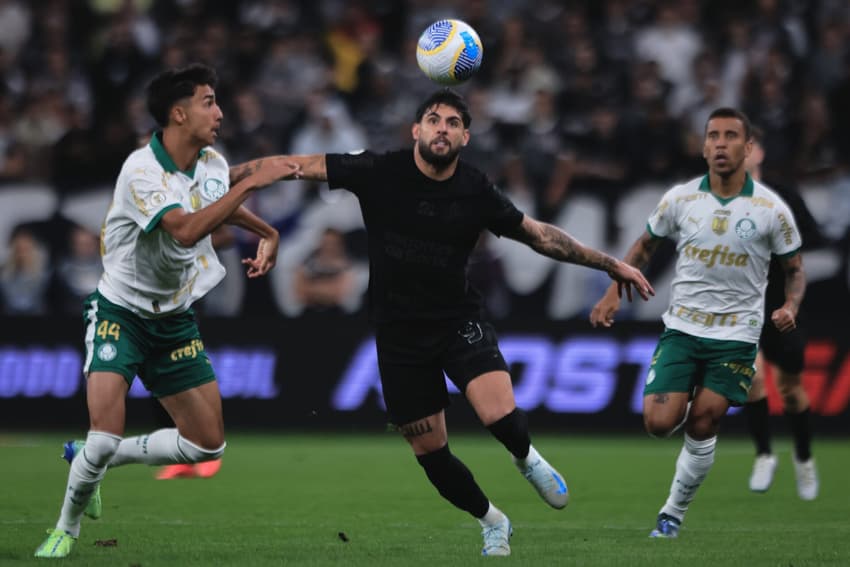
<point x="551" y="241"/>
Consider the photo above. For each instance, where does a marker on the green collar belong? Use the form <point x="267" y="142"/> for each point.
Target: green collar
<point x="746" y="190"/>
<point x="165" y="160"/>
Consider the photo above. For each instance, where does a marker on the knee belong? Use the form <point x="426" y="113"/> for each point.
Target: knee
<point x="702" y="426"/>
<point x="101" y="447"/>
<point x="794" y="399"/>
<point x="793" y="395"/>
<point x="197" y="454"/>
<point x="659" y="426"/>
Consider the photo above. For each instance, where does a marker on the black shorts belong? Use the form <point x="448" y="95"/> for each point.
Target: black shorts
<point x="413" y="356"/>
<point x="785" y="350"/>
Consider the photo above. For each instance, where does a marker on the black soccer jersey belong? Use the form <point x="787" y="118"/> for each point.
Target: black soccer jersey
<point x="421" y="232"/>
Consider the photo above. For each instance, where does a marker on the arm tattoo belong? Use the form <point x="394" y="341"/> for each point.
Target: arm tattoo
<point x="641" y="251"/>
<point x="660" y="398"/>
<point x="415" y="429"/>
<point x="553" y="242"/>
<point x="243" y="170"/>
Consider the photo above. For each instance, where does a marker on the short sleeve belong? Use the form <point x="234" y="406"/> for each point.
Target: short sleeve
<point x="501" y="215"/>
<point x="353" y="171"/>
<point x="785" y="239"/>
<point x="148" y="199"/>
<point x="662" y="221"/>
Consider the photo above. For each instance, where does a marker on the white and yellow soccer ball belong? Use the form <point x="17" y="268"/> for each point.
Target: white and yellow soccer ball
<point x="449" y="52"/>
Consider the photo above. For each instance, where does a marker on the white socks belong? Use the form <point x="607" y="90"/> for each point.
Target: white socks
<point x="493" y="516"/>
<point x="102" y="450"/>
<point x="162" y="447"/>
<point x="86" y="471"/>
<point x="692" y="466"/>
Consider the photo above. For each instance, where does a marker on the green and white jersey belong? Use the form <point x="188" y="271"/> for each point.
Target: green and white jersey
<point x="145" y="269"/>
<point x="723" y="253"/>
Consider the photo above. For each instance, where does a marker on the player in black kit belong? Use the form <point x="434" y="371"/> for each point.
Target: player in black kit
<point x="785" y="352"/>
<point x="424" y="211"/>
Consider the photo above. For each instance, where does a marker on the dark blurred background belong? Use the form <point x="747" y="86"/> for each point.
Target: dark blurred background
<point x="584" y="112"/>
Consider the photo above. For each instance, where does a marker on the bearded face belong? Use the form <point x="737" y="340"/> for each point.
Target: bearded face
<point x="438" y="152"/>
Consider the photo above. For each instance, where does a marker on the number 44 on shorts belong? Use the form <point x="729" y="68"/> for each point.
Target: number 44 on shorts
<point x="108" y="329"/>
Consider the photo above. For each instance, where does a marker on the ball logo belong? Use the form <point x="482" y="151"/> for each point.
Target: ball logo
<point x="107" y="352"/>
<point x="449" y="52"/>
<point x="157" y="198"/>
<point x="213" y="189"/>
<point x="745" y="229"/>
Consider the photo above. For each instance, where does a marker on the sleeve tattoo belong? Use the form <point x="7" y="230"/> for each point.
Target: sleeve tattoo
<point x="553" y="242"/>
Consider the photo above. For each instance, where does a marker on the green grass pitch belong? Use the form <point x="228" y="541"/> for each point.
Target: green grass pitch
<point x="285" y="499"/>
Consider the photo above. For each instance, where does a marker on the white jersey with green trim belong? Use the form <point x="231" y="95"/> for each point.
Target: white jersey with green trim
<point x="145" y="269"/>
<point x="723" y="253"/>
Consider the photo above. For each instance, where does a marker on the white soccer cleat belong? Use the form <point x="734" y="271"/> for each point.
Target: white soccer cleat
<point x="763" y="470"/>
<point x="807" y="478"/>
<point x="544" y="478"/>
<point x="497" y="537"/>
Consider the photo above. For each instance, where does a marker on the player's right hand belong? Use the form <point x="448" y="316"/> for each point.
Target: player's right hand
<point x="605" y="309"/>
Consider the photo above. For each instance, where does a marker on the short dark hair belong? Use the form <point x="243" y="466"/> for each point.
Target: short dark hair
<point x="171" y="85"/>
<point x="726" y="112"/>
<point x="448" y="97"/>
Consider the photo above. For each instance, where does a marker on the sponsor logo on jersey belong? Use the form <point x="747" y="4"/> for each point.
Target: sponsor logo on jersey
<point x="107" y="352"/>
<point x="717" y="256"/>
<point x="786" y="228"/>
<point x="703" y="317"/>
<point x="138" y="201"/>
<point x="213" y="189"/>
<point x="745" y="229"/>
<point x="659" y="210"/>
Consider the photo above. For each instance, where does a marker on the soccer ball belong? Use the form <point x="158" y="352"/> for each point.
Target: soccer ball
<point x="449" y="52"/>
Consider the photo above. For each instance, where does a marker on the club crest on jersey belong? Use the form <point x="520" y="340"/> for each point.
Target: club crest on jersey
<point x="719" y="225"/>
<point x="107" y="352"/>
<point x="745" y="229"/>
<point x="213" y="189"/>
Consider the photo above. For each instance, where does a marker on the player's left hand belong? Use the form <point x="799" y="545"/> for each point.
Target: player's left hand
<point x="784" y="319"/>
<point x="266" y="256"/>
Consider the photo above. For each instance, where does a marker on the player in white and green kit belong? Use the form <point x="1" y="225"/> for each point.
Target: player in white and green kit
<point x="726" y="226"/>
<point x="158" y="260"/>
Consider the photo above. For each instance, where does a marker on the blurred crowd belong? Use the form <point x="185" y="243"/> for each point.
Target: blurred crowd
<point x="583" y="111"/>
